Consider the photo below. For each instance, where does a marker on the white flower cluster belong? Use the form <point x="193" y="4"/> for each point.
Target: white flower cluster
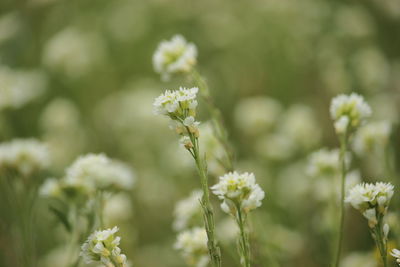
<point x="349" y="112"/>
<point x="323" y="162"/>
<point x="180" y="105"/>
<point x="372" y="200"/>
<point x="24" y="156"/>
<point x="193" y="246"/>
<point x="396" y="254"/>
<point x="18" y="87"/>
<point x="238" y="190"/>
<point x="174" y="56"/>
<point x="371" y="137"/>
<point x="188" y="211"/>
<point x="102" y="246"/>
<point x="73" y="52"/>
<point x="90" y="173"/>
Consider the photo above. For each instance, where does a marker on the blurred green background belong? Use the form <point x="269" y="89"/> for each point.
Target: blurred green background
<point x="86" y="84"/>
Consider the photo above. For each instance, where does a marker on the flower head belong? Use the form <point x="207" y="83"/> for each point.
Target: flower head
<point x="349" y="112"/>
<point x="188" y="211"/>
<point x="238" y="191"/>
<point x="102" y="246"/>
<point x="193" y="245"/>
<point x="24" y="156"/>
<point x="174" y="56"/>
<point x="396" y="254"/>
<point x="371" y="199"/>
<point x="371" y="137"/>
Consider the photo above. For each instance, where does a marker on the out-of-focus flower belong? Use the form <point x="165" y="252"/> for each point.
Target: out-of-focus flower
<point x="372" y="137"/>
<point x="193" y="246"/>
<point x="357" y="259"/>
<point x="98" y="171"/>
<point x="300" y="125"/>
<point x="73" y="52"/>
<point x="174" y="56"/>
<point x="324" y="162"/>
<point x="349" y="112"/>
<point x="102" y="247"/>
<point x="10" y="24"/>
<point x="371" y="200"/>
<point x="188" y="211"/>
<point x="19" y="87"/>
<point x="238" y="191"/>
<point x="117" y="208"/>
<point x="24" y="156"/>
<point x="50" y="188"/>
<point x="257" y="115"/>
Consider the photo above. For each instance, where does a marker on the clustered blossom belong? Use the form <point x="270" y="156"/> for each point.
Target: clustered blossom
<point x="174" y="56"/>
<point x="349" y="112"/>
<point x="188" y="211"/>
<point x="238" y="190"/>
<point x="102" y="246"/>
<point x="180" y="106"/>
<point x="396" y="254"/>
<point x="19" y="87"/>
<point x="324" y="162"/>
<point x="372" y="200"/>
<point x="371" y="137"/>
<point x="24" y="156"/>
<point x="90" y="173"/>
<point x="193" y="246"/>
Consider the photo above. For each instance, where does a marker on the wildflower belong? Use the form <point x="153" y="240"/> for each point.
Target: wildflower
<point x="174" y="56"/>
<point x="371" y="199"/>
<point x="371" y="137"/>
<point x="238" y="191"/>
<point x="50" y="188"/>
<point x="19" y="87"/>
<point x="396" y="254"/>
<point x="178" y="104"/>
<point x="188" y="211"/>
<point x="349" y="112"/>
<point x="193" y="245"/>
<point x="24" y="156"/>
<point x="324" y="162"/>
<point x="102" y="247"/>
<point x="98" y="171"/>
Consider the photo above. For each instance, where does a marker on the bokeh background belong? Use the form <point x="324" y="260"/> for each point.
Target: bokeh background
<point x="78" y="75"/>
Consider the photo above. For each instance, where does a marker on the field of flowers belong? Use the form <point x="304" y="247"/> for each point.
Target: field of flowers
<point x="199" y="133"/>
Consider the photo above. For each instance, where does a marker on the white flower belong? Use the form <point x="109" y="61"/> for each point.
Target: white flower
<point x="180" y="103"/>
<point x="324" y="162"/>
<point x="174" y="56"/>
<point x="372" y="137"/>
<point x="188" y="211"/>
<point x="73" y="52"/>
<point x="351" y="106"/>
<point x="238" y="190"/>
<point x="371" y="199"/>
<point x="193" y="245"/>
<point x="396" y="254"/>
<point x="50" y="188"/>
<point x="18" y="87"/>
<point x="186" y="142"/>
<point x="24" y="155"/>
<point x="98" y="171"/>
<point x="102" y="246"/>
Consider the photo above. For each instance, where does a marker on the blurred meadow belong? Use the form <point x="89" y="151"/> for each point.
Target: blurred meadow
<point x="78" y="76"/>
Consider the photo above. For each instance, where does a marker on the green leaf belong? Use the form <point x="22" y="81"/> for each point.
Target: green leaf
<point x="62" y="217"/>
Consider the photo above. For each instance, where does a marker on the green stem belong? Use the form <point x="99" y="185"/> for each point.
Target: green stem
<point x="343" y="149"/>
<point x="244" y="245"/>
<point x="217" y="119"/>
<point x="208" y="214"/>
<point x="380" y="240"/>
<point x="74" y="236"/>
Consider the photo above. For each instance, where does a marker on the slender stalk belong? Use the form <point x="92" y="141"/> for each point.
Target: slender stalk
<point x="244" y="245"/>
<point x="217" y="119"/>
<point x="380" y="240"/>
<point x="343" y="149"/>
<point x="208" y="215"/>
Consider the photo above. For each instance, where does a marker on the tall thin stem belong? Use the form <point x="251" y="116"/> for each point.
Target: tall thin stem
<point x="244" y="245"/>
<point x="208" y="215"/>
<point x="343" y="149"/>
